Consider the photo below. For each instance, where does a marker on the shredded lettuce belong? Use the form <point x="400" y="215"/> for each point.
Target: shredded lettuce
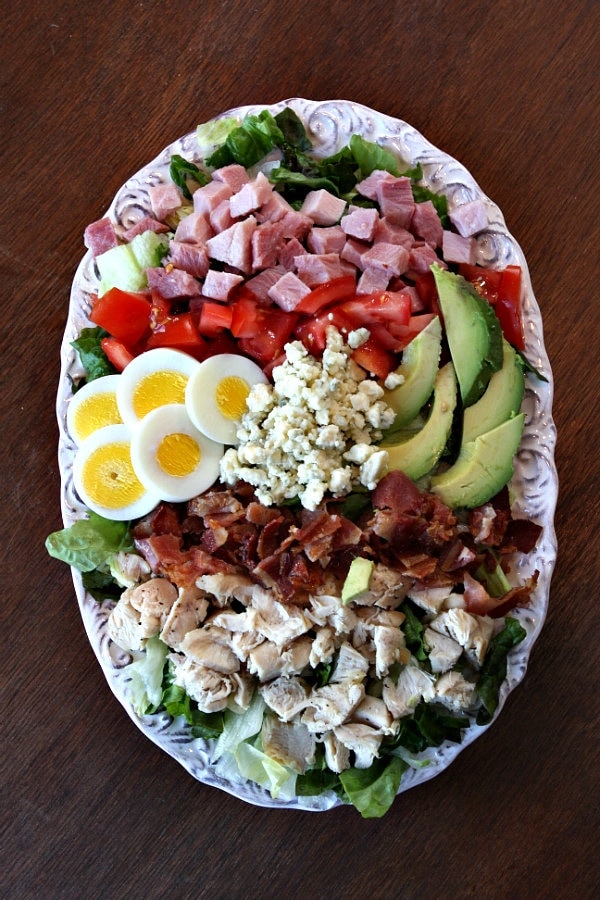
<point x="147" y="677"/>
<point x="239" y="727"/>
<point x="255" y="765"/>
<point x="214" y="133"/>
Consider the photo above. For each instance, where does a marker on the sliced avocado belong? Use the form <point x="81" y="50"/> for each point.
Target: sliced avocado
<point x="358" y="578"/>
<point x="483" y="466"/>
<point x="473" y="333"/>
<point x="418" y="454"/>
<point x="420" y="361"/>
<point x="502" y="398"/>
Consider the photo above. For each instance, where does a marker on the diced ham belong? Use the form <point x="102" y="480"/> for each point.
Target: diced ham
<point x="372" y="279"/>
<point x="100" y="236"/>
<point x="207" y="197"/>
<point x="234" y="175"/>
<point x="469" y="218"/>
<point x="220" y="217"/>
<point x="251" y="196"/>
<point x="295" y="225"/>
<point x="291" y="249"/>
<point x="164" y="199"/>
<point x="422" y="256"/>
<point x="258" y="286"/>
<point x="457" y="248"/>
<point x="173" y="283"/>
<point x="393" y="258"/>
<point x="194" y="229"/>
<point x="361" y="223"/>
<point x="393" y="234"/>
<point x="352" y="252"/>
<point x="192" y="258"/>
<point x="317" y="268"/>
<point x="274" y="208"/>
<point x="146" y="223"/>
<point x="219" y="285"/>
<point x="234" y="245"/>
<point x="369" y="186"/>
<point x="267" y="244"/>
<point x="396" y="200"/>
<point x="288" y="291"/>
<point x="426" y="223"/>
<point x="323" y="207"/>
<point x="330" y="239"/>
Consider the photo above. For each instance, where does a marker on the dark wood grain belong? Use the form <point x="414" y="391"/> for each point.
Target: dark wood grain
<point x="89" y="94"/>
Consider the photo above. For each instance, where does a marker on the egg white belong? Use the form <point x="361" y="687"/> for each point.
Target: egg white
<point x="171" y="422"/>
<point x="104" y="477"/>
<point x="93" y="406"/>
<point x="215" y="396"/>
<point x="155" y="378"/>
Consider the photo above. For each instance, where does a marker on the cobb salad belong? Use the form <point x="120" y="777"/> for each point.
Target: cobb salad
<point x="293" y="435"/>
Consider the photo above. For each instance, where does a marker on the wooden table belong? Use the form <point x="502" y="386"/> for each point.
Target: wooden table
<point x="90" y="93"/>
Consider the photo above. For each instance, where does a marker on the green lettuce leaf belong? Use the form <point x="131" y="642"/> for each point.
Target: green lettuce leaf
<point x="372" y="791"/>
<point x="414" y="632"/>
<point x="147" y="677"/>
<point x="89" y="543"/>
<point x="92" y="356"/>
<point x="177" y="702"/>
<point x="248" y="142"/>
<point x="181" y="170"/>
<point x="494" y="668"/>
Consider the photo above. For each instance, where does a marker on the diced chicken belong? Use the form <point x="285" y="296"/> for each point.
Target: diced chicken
<point x="327" y="609"/>
<point x="268" y="661"/>
<point x="373" y="711"/>
<point x="187" y="613"/>
<point x="469" y="218"/>
<point x="444" y="651"/>
<point x="453" y="690"/>
<point x="390" y="648"/>
<point x="251" y="196"/>
<point x="350" y="665"/>
<point x="123" y="626"/>
<point x="193" y="229"/>
<point x="362" y="740"/>
<point x="244" y="642"/>
<point x="131" y="568"/>
<point x="323" y="647"/>
<point x="323" y="207"/>
<point x="337" y="756"/>
<point x="224" y="587"/>
<point x="164" y="199"/>
<point x="290" y="744"/>
<point x="234" y="245"/>
<point x="458" y="249"/>
<point x="243" y="689"/>
<point x="472" y="632"/>
<point x="278" y="622"/>
<point x="413" y="685"/>
<point x="431" y="599"/>
<point x="286" y="696"/>
<point x="208" y="647"/>
<point x="211" y="690"/>
<point x="288" y="291"/>
<point x="332" y="705"/>
<point x="219" y="285"/>
<point x="387" y="587"/>
<point x="153" y="600"/>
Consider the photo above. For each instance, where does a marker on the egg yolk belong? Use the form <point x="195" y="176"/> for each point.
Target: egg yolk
<point x="178" y="455"/>
<point x="109" y="479"/>
<point x="158" y="389"/>
<point x="231" y="395"/>
<point x="96" y="412"/>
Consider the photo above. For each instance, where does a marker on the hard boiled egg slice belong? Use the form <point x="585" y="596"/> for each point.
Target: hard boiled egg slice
<point x="155" y="378"/>
<point x="92" y="407"/>
<point x="217" y="391"/>
<point x="171" y="457"/>
<point x="104" y="477"/>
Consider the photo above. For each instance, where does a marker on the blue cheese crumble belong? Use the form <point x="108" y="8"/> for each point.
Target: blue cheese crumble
<point x="313" y="431"/>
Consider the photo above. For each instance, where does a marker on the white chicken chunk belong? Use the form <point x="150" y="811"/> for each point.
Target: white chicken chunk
<point x="444" y="651"/>
<point x="337" y="756"/>
<point x="413" y="685"/>
<point x="453" y="690"/>
<point x="323" y="647"/>
<point x="327" y="609"/>
<point x="187" y="613"/>
<point x="331" y="705"/>
<point x="286" y="696"/>
<point x="387" y="588"/>
<point x="373" y="711"/>
<point x="224" y="587"/>
<point x="211" y="690"/>
<point x="141" y="612"/>
<point x="268" y="661"/>
<point x="208" y="647"/>
<point x="278" y="622"/>
<point x="288" y="743"/>
<point x="362" y="740"/>
<point x="472" y="632"/>
<point x="431" y="599"/>
<point x="350" y="665"/>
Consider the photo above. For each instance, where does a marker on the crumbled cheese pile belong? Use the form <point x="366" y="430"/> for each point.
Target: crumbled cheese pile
<point x="313" y="430"/>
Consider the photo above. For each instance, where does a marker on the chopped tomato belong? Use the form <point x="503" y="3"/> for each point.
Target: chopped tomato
<point x="124" y="314"/>
<point x="503" y="290"/>
<point x="160" y="310"/>
<point x="244" y="314"/>
<point x="221" y="343"/>
<point x="375" y="358"/>
<point x="181" y="333"/>
<point x="116" y="352"/>
<point x="427" y="291"/>
<point x="380" y="307"/>
<point x="271" y="330"/>
<point x="214" y="318"/>
<point x="326" y="294"/>
<point x="405" y="333"/>
<point x="312" y="331"/>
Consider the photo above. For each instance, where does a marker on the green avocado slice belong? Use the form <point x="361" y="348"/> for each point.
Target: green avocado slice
<point x="418" y="454"/>
<point x="419" y="367"/>
<point x="502" y="398"/>
<point x="473" y="333"/>
<point x="482" y="468"/>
